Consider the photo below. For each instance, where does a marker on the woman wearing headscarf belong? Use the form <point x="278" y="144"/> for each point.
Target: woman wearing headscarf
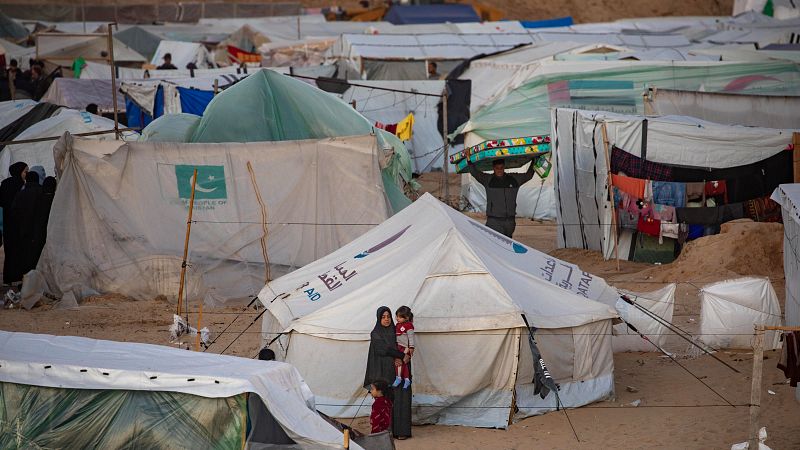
<point x="41" y="218"/>
<point x="24" y="211"/>
<point x="8" y="191"/>
<point x="381" y="362"/>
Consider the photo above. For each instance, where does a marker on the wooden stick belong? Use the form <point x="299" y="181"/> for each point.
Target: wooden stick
<point x="796" y="156"/>
<point x="614" y="225"/>
<point x="199" y="324"/>
<point x="755" y="389"/>
<point x="346" y="438"/>
<point x="774" y="328"/>
<point x="113" y="78"/>
<point x="186" y="244"/>
<point x="446" y="168"/>
<point x="263" y="222"/>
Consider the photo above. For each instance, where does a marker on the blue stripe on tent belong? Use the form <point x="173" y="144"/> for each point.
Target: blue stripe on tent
<point x="195" y="101"/>
<point x="549" y="23"/>
<point x="600" y="84"/>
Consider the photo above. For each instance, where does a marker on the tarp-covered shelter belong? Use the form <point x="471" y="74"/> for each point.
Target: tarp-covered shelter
<point x="74" y="392"/>
<point x="147" y="100"/>
<point x="751" y="161"/>
<point x="12" y="110"/>
<point x="771" y="111"/>
<point x="468" y="287"/>
<point x="139" y="39"/>
<point x="788" y="196"/>
<point x="434" y="13"/>
<point x="11" y="29"/>
<point x="41" y="153"/>
<point x="64" y="50"/>
<point x="268" y="106"/>
<point x="122" y="211"/>
<point x="77" y="93"/>
<point x="730" y="309"/>
<point x="183" y="54"/>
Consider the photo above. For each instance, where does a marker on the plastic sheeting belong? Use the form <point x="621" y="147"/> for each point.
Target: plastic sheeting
<point x="122" y="213"/>
<point x="468" y="287"/>
<point x="142" y="378"/>
<point x="660" y="303"/>
<point x="78" y="93"/>
<point x="41" y="153"/>
<point x="771" y="111"/>
<point x="788" y="196"/>
<point x="584" y="212"/>
<point x="729" y="310"/>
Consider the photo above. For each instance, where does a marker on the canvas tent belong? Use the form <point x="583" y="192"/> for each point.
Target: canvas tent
<point x="468" y="287"/>
<point x="584" y="211"/>
<point x="183" y="53"/>
<point x="140" y="40"/>
<point x="73" y="392"/>
<point x="122" y="211"/>
<point x="729" y="309"/>
<point x="771" y="111"/>
<point x="41" y="153"/>
<point x="788" y="196"/>
<point x="77" y="93"/>
<point x="64" y="50"/>
<point x="14" y="109"/>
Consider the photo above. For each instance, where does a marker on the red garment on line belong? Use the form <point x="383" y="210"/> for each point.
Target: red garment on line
<point x="631" y="186"/>
<point x="649" y="226"/>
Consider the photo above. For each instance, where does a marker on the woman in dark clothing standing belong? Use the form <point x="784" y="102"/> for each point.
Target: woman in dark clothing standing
<point x="8" y="191"/>
<point x="23" y="210"/>
<point x="41" y="218"/>
<point x="381" y="362"/>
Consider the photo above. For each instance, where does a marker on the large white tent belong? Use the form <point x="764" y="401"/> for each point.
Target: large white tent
<point x="54" y="369"/>
<point x="468" y="287"/>
<point x="788" y="196"/>
<point x="122" y="210"/>
<point x="66" y="120"/>
<point x="12" y="110"/>
<point x="183" y="53"/>
<point x="584" y="210"/>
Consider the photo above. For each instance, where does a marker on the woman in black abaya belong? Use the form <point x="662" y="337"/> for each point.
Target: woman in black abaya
<point x="381" y="362"/>
<point x="9" y="188"/>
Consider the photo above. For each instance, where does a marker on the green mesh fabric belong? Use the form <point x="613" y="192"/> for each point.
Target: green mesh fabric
<point x="268" y="106"/>
<point x="525" y="111"/>
<point x="35" y="417"/>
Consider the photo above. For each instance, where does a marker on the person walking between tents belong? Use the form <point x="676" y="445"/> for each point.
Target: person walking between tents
<point x="382" y="359"/>
<point x="12" y="272"/>
<point x="501" y="195"/>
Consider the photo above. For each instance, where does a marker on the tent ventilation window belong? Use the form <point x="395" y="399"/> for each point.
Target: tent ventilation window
<point x="47" y="367"/>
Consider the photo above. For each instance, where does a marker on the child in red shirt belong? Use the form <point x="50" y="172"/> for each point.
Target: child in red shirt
<point x="381" y="417"/>
<point x="405" y="343"/>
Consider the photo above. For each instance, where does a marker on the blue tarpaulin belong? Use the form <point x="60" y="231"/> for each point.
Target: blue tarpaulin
<point x="194" y="101"/>
<point x="414" y="14"/>
<point x="548" y="23"/>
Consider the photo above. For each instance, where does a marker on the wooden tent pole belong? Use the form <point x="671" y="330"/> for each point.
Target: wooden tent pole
<point x="755" y="388"/>
<point x="186" y="244"/>
<point x="796" y="156"/>
<point x="113" y="78"/>
<point x="199" y="324"/>
<point x="614" y="225"/>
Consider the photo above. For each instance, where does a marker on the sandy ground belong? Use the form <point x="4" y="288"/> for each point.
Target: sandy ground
<point x="676" y="410"/>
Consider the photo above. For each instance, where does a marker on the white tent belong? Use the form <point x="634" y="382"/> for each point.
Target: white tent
<point x="75" y="363"/>
<point x="468" y="287"/>
<point x="122" y="211"/>
<point x="14" y="109"/>
<point x="77" y="93"/>
<point x="64" y="50"/>
<point x="729" y="310"/>
<point x="182" y="53"/>
<point x="661" y="303"/>
<point x="772" y="111"/>
<point x="584" y="211"/>
<point x="788" y="196"/>
<point x="103" y="71"/>
<point x="425" y="146"/>
<point x="41" y="153"/>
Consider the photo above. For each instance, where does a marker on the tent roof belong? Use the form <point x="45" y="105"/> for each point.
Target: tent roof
<point x="82" y="363"/>
<point x="76" y="93"/>
<point x="70" y="48"/>
<point x="10" y="28"/>
<point x="454" y="273"/>
<point x="425" y="46"/>
<point x="437" y="13"/>
<point x="788" y="196"/>
<point x="139" y="39"/>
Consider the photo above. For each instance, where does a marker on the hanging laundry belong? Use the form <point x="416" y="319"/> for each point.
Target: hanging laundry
<point x="763" y="210"/>
<point x="669" y="230"/>
<point x="649" y="225"/>
<point x="789" y="361"/>
<point x="695" y="231"/>
<point x="405" y="128"/>
<point x="669" y="193"/>
<point x="631" y="186"/>
<point x="633" y="166"/>
<point x="695" y="191"/>
<point x="664" y="212"/>
<point x="717" y="189"/>
<point x="711" y="216"/>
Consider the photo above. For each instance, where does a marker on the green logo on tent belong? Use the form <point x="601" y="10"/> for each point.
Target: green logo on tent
<point x="210" y="182"/>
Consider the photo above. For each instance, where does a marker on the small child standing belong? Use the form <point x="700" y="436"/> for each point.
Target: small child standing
<point x="381" y="417"/>
<point x="405" y="343"/>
